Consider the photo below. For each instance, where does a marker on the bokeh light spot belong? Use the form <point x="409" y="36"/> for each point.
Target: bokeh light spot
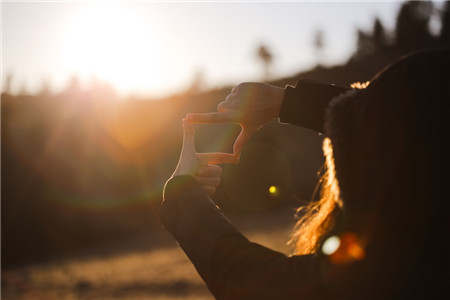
<point x="274" y="191"/>
<point x="349" y="249"/>
<point x="331" y="245"/>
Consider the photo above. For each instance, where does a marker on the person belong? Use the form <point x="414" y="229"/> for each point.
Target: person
<point x="384" y="198"/>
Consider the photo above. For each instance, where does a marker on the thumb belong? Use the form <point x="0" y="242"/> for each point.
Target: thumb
<point x="188" y="138"/>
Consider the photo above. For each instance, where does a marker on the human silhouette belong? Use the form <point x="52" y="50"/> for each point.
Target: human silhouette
<point x="385" y="196"/>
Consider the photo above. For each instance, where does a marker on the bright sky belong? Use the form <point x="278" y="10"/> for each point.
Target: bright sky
<point x="156" y="48"/>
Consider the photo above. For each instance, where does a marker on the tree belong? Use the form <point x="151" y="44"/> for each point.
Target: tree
<point x="7" y="86"/>
<point x="380" y="39"/>
<point x="318" y="44"/>
<point x="364" y="46"/>
<point x="412" y="27"/>
<point x="266" y="58"/>
<point x="444" y="38"/>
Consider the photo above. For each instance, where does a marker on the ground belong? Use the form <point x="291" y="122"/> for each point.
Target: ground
<point x="154" y="273"/>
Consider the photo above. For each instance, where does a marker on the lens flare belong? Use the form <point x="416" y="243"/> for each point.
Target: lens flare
<point x="331" y="245"/>
<point x="274" y="191"/>
<point x="344" y="249"/>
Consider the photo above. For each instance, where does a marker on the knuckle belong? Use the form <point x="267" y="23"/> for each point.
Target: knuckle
<point x="241" y="85"/>
<point x="221" y="106"/>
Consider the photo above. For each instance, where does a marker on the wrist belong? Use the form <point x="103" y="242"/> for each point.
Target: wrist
<point x="278" y="100"/>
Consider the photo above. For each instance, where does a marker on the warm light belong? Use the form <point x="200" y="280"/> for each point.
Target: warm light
<point x="113" y="44"/>
<point x="274" y="191"/>
<point x="356" y="251"/>
<point x="344" y="249"/>
<point x="331" y="245"/>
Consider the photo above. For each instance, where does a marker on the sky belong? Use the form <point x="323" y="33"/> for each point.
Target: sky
<point x="154" y="49"/>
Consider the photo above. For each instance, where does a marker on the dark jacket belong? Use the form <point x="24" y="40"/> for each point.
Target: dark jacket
<point x="231" y="265"/>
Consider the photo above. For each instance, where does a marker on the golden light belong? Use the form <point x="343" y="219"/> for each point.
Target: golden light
<point x="344" y="249"/>
<point x="116" y="45"/>
<point x="274" y="191"/>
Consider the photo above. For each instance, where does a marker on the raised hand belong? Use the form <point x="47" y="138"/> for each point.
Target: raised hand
<point x="250" y="105"/>
<point x="200" y="165"/>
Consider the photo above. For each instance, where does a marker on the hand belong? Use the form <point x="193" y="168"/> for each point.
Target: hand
<point x="199" y="165"/>
<point x="250" y="105"/>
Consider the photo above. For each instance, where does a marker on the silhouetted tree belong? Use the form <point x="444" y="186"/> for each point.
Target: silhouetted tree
<point x="444" y="38"/>
<point x="7" y="85"/>
<point x="364" y="46"/>
<point x="318" y="44"/>
<point x="412" y="27"/>
<point x="266" y="58"/>
<point x="380" y="38"/>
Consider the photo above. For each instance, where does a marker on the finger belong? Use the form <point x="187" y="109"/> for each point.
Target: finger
<point x="218" y="158"/>
<point x="210" y="171"/>
<point x="229" y="103"/>
<point x="241" y="140"/>
<point x="213" y="117"/>
<point x="210" y="181"/>
<point x="188" y="138"/>
<point x="210" y="190"/>
<point x="223" y="106"/>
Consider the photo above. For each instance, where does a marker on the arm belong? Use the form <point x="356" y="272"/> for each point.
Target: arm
<point x="253" y="104"/>
<point x="306" y="103"/>
<point x="231" y="266"/>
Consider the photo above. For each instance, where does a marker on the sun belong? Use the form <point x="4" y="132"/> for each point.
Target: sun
<point x="116" y="45"/>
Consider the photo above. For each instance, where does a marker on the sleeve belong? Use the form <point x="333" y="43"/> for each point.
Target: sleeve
<point x="231" y="265"/>
<point x="306" y="103"/>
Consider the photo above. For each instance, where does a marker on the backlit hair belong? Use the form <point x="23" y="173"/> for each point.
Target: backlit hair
<point x="318" y="217"/>
<point x="387" y="161"/>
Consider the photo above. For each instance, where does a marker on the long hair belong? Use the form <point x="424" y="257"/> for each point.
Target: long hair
<point x="319" y="216"/>
<point x="387" y="158"/>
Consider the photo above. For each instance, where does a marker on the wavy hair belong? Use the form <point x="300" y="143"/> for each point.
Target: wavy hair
<point x="318" y="217"/>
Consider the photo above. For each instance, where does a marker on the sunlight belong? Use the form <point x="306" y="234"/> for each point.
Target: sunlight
<point x="113" y="44"/>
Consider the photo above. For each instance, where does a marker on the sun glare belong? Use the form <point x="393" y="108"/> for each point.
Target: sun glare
<point x="114" y="44"/>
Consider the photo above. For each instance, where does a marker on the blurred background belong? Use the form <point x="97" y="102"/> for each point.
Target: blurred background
<point x="92" y="95"/>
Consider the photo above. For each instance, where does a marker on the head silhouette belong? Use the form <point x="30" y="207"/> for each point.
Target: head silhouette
<point x="388" y="161"/>
<point x="390" y="139"/>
